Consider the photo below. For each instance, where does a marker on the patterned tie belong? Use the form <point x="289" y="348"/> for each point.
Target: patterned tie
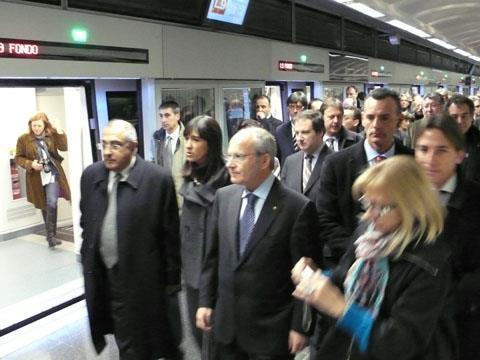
<point x="167" y="153"/>
<point x="330" y="143"/>
<point x="247" y="222"/>
<point x="109" y="240"/>
<point x="379" y="158"/>
<point x="307" y="170"/>
<point x="294" y="140"/>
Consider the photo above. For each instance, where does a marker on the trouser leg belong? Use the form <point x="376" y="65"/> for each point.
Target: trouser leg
<point x="50" y="217"/>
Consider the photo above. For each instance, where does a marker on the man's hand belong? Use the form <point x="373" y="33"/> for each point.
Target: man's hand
<point x="260" y="115"/>
<point x="204" y="317"/>
<point x="296" y="341"/>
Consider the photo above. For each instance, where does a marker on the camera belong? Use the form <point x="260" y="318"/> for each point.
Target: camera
<point x="45" y="165"/>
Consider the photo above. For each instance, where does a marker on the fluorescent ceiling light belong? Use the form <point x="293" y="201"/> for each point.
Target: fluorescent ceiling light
<point x="401" y="25"/>
<point x="356" y="57"/>
<point x="476" y="58"/>
<point x="442" y="43"/>
<point x="342" y="1"/>
<point x="462" y="52"/>
<point x="364" y="9"/>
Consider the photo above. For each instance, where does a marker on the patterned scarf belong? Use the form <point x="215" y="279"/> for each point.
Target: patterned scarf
<point x="367" y="278"/>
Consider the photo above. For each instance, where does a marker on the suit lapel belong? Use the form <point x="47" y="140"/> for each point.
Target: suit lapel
<point x="233" y="215"/>
<point x="358" y="160"/>
<point x="297" y="171"/>
<point x="271" y="208"/>
<point x="317" y="169"/>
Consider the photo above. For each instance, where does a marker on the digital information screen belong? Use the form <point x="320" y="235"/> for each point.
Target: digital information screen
<point x="229" y="11"/>
<point x="32" y="49"/>
<point x="300" y="67"/>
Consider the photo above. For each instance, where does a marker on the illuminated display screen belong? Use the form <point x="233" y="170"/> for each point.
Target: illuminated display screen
<point x="229" y="11"/>
<point x="300" y="67"/>
<point x="31" y="49"/>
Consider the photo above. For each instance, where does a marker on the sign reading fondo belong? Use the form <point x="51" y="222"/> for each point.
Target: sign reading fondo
<point x="32" y="49"/>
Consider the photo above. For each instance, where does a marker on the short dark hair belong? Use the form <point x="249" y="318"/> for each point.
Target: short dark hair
<point x="315" y="117"/>
<point x="351" y="87"/>
<point x="170" y="104"/>
<point x="266" y="97"/>
<point x="461" y="100"/>
<point x="448" y="126"/>
<point x="209" y="130"/>
<point x="298" y="97"/>
<point x="384" y="93"/>
<point x="357" y="114"/>
<point x="331" y="102"/>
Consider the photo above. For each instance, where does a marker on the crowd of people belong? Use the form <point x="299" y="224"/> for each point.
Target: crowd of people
<point x="351" y="228"/>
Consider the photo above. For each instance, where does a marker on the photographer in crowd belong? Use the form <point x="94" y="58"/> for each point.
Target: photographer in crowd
<point x="37" y="153"/>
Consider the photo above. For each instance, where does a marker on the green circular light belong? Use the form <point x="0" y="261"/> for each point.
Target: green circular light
<point x="79" y="35"/>
<point x="303" y="58"/>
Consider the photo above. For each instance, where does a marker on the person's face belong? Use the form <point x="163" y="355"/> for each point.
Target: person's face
<point x="294" y="108"/>
<point x="263" y="106"/>
<point x="349" y="122"/>
<point x="461" y="114"/>
<point x="37" y="127"/>
<point x="404" y="103"/>
<point x="117" y="152"/>
<point x="380" y="119"/>
<point x="196" y="148"/>
<point x="381" y="211"/>
<point x="431" y="107"/>
<point x="404" y="124"/>
<point x="437" y="156"/>
<point x="244" y="164"/>
<point x="477" y="107"/>
<point x="307" y="139"/>
<point x="169" y="119"/>
<point x="333" y="118"/>
<point x="351" y="93"/>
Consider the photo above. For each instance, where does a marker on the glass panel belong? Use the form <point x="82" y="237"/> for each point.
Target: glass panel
<point x="192" y="102"/>
<point x="238" y="105"/>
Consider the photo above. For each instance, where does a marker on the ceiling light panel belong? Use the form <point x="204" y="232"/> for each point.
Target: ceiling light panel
<point x="442" y="43"/>
<point x="462" y="52"/>
<point x="401" y="25"/>
<point x="364" y="9"/>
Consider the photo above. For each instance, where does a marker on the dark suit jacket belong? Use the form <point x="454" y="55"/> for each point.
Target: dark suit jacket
<point x="252" y="295"/>
<point x="471" y="165"/>
<point x="271" y="124"/>
<point x="337" y="211"/>
<point x="348" y="138"/>
<point x="292" y="173"/>
<point x="462" y="233"/>
<point x="148" y="254"/>
<point x="283" y="136"/>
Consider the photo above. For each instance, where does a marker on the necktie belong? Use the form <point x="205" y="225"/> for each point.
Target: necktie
<point x="330" y="143"/>
<point x="167" y="153"/>
<point x="294" y="140"/>
<point x="307" y="170"/>
<point x="379" y="158"/>
<point x="109" y="241"/>
<point x="247" y="222"/>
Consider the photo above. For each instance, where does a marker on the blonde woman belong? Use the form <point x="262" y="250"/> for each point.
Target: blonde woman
<point x="37" y="153"/>
<point x="389" y="298"/>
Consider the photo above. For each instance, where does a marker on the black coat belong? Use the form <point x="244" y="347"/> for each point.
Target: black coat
<point x="148" y="253"/>
<point x="284" y="139"/>
<point x="337" y="210"/>
<point x="348" y="138"/>
<point x="195" y="223"/>
<point x="415" y="321"/>
<point x="462" y="233"/>
<point x="471" y="165"/>
<point x="252" y="295"/>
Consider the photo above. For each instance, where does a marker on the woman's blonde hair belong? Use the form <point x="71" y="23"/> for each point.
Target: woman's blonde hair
<point x="412" y="193"/>
<point x="40" y="116"/>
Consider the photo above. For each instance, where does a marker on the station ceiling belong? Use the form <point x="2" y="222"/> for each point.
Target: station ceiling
<point x="457" y="22"/>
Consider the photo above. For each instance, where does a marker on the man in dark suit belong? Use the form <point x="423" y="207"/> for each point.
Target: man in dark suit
<point x="264" y="116"/>
<point x="336" y="136"/>
<point x="301" y="171"/>
<point x="462" y="109"/>
<point x="440" y="149"/>
<point x="130" y="250"/>
<point x="337" y="209"/>
<point x="260" y="229"/>
<point x="285" y="134"/>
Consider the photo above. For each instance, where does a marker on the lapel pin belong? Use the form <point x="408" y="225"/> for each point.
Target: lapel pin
<point x="274" y="208"/>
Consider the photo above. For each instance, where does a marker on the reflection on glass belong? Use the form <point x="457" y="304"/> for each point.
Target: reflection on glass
<point x="192" y="102"/>
<point x="238" y="106"/>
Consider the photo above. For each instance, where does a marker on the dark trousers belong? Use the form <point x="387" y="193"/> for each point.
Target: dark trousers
<point x="192" y="306"/>
<point x="234" y="352"/>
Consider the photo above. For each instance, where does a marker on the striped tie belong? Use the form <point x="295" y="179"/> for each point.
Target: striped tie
<point x="307" y="170"/>
<point x="294" y="140"/>
<point x="247" y="222"/>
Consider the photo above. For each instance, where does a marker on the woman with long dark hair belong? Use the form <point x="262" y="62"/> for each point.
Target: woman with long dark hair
<point x="204" y="173"/>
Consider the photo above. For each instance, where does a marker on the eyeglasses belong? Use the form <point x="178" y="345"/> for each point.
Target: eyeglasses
<point x="237" y="157"/>
<point x="295" y="107"/>
<point x="113" y="145"/>
<point x="381" y="210"/>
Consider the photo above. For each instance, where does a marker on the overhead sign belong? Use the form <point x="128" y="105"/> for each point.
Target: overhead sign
<point x="300" y="67"/>
<point x="31" y="49"/>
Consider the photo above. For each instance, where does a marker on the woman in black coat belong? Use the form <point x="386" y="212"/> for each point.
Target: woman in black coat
<point x="391" y="295"/>
<point x="204" y="173"/>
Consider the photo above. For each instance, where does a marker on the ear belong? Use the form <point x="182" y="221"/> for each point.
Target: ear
<point x="460" y="157"/>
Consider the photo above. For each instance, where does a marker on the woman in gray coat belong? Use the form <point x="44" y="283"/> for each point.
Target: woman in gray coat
<point x="204" y="173"/>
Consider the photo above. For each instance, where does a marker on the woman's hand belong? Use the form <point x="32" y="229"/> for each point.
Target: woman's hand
<point x="318" y="291"/>
<point x="36" y="165"/>
<point x="300" y="269"/>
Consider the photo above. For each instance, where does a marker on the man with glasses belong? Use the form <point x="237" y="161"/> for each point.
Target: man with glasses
<point x="285" y="134"/>
<point x="432" y="104"/>
<point x="130" y="251"/>
<point x="260" y="229"/>
<point x="462" y="109"/>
